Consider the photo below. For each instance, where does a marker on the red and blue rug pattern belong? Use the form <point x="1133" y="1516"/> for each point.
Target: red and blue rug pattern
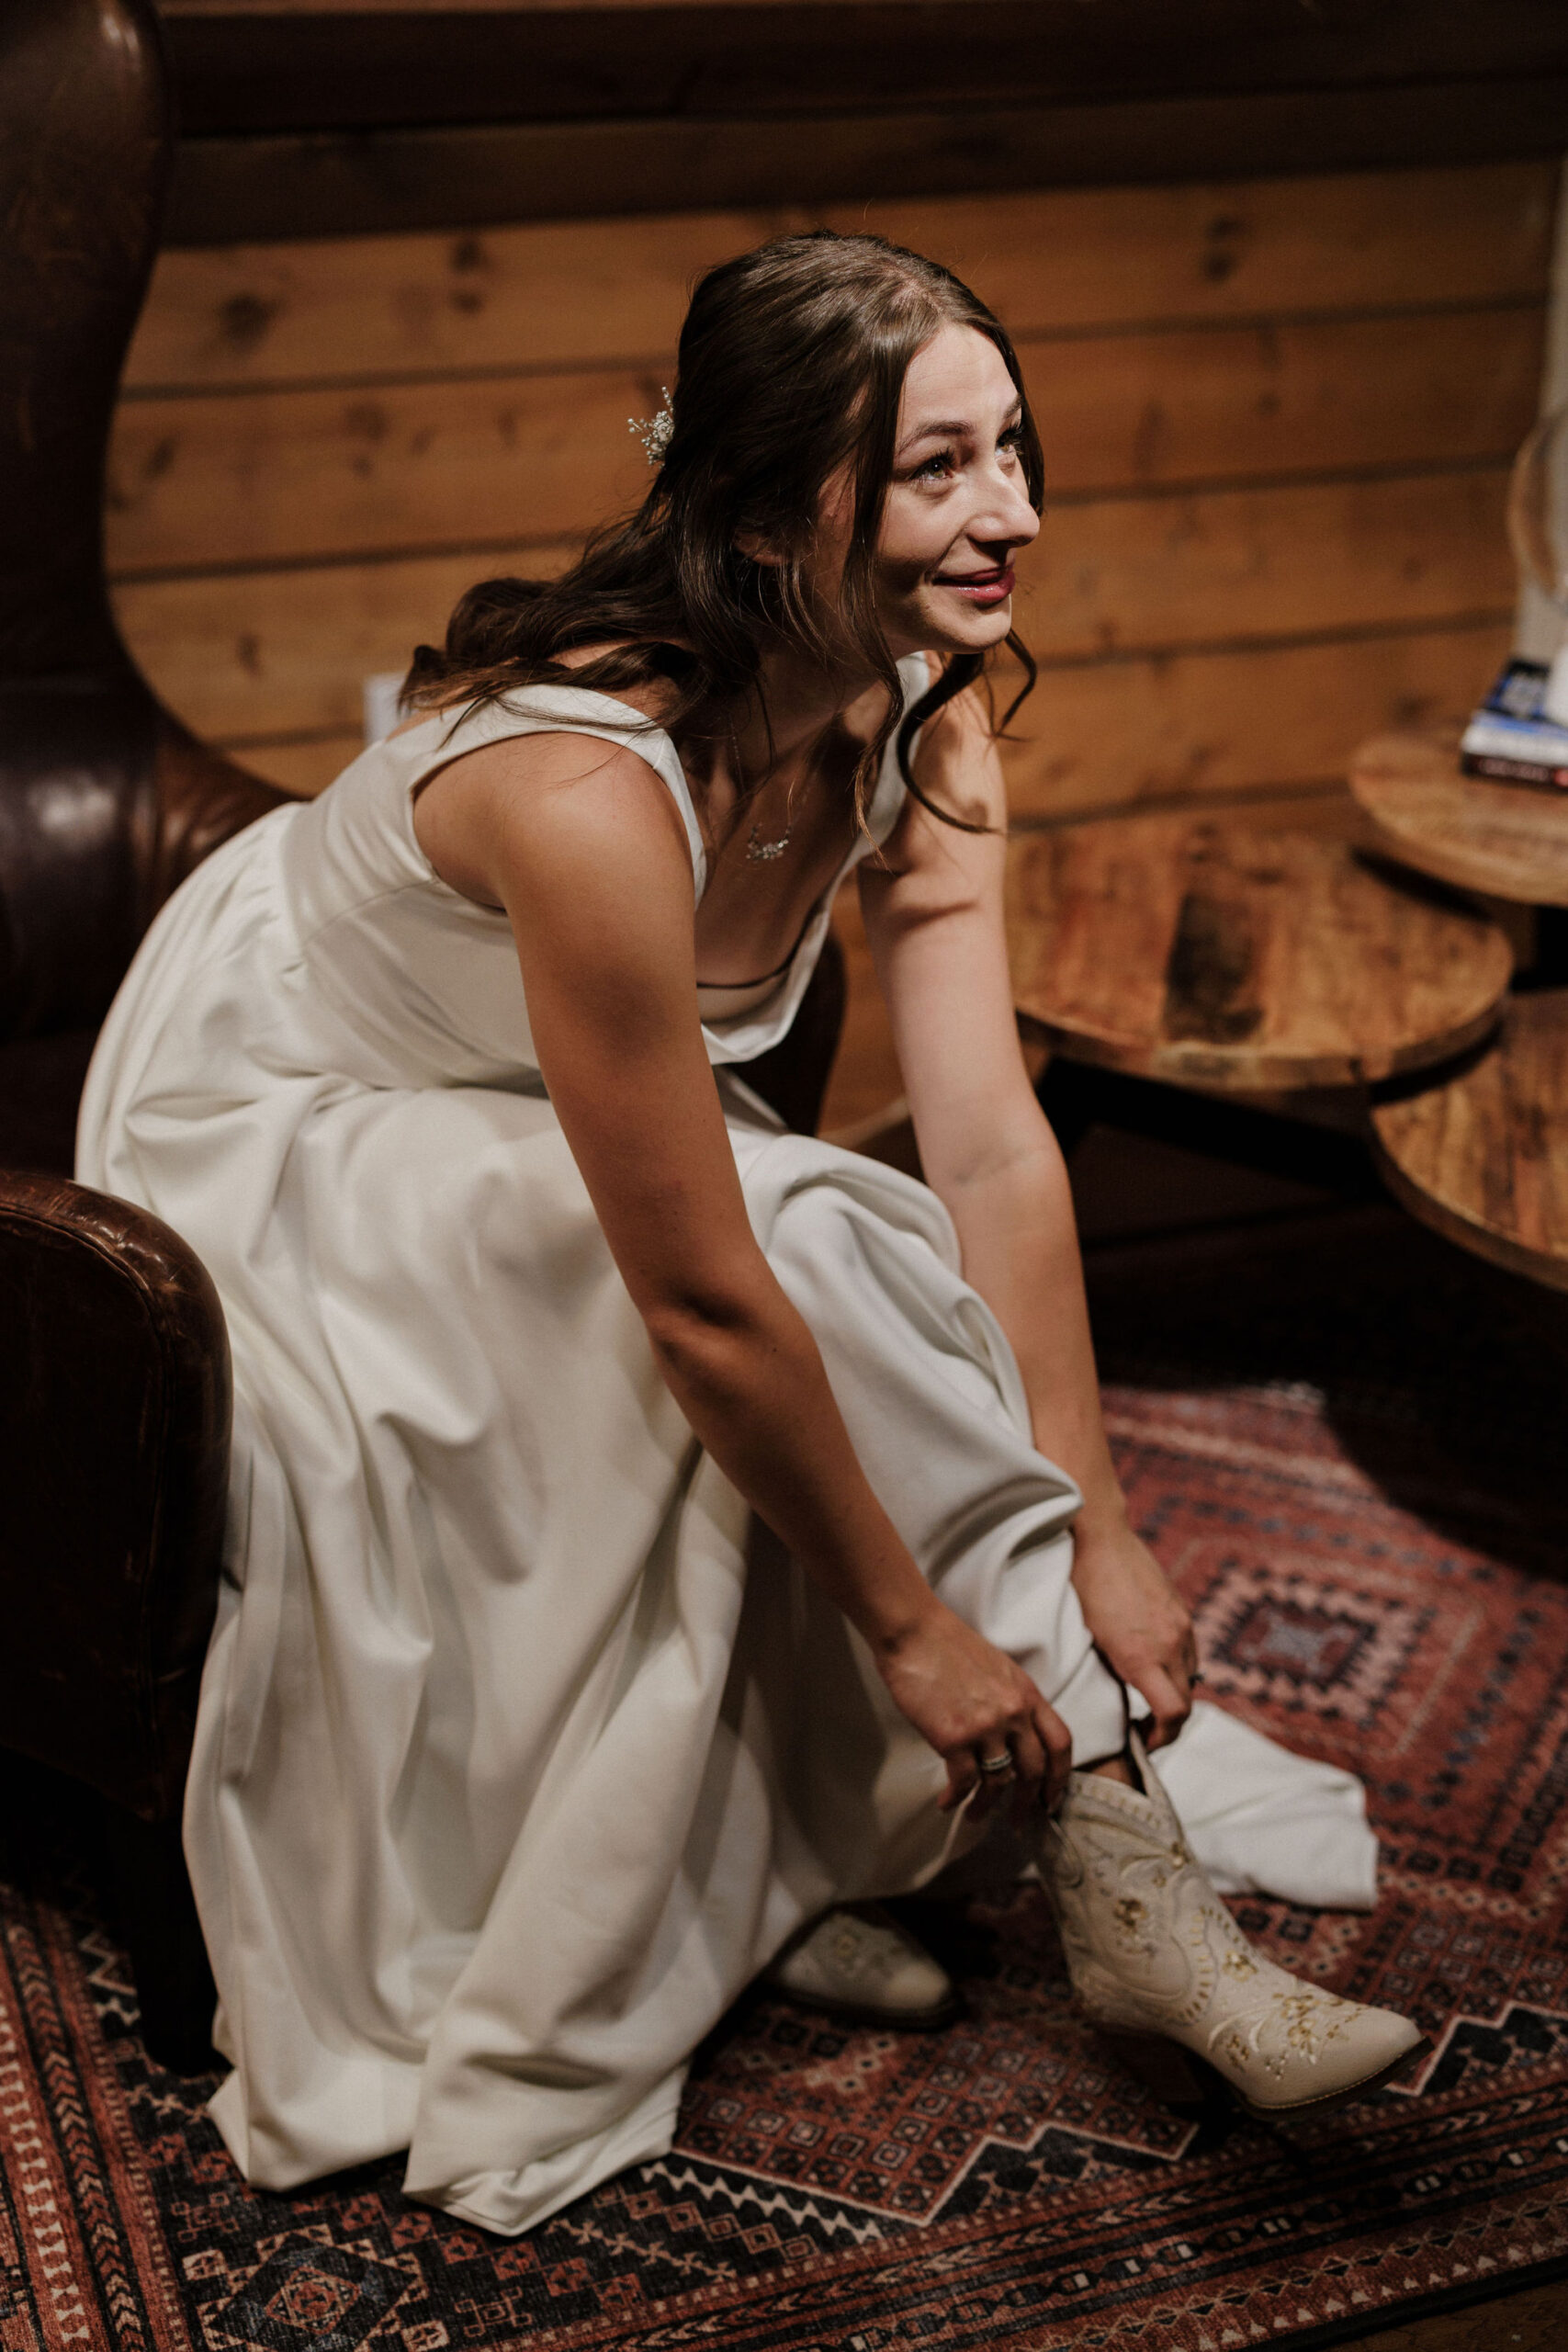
<point x="1373" y="1542"/>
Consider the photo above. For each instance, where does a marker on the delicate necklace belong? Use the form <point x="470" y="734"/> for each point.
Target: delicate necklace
<point x="759" y="850"/>
<point x="761" y="853"/>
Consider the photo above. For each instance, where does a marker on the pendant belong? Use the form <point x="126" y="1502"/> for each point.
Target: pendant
<point x="761" y="853"/>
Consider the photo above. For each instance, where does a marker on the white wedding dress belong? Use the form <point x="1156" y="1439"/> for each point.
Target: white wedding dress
<point x="520" y="1748"/>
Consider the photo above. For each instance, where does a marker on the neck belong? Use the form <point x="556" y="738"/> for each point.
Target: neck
<point x="795" y="703"/>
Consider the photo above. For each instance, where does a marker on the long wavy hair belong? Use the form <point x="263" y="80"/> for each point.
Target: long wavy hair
<point x="791" y="367"/>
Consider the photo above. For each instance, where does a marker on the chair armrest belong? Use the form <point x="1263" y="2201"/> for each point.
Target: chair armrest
<point x="114" y="1406"/>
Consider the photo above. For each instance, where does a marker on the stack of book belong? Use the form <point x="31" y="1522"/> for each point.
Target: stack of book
<point x="1512" y="736"/>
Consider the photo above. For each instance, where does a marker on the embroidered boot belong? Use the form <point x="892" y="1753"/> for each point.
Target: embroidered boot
<point x="1158" y="1963"/>
<point x="858" y="1963"/>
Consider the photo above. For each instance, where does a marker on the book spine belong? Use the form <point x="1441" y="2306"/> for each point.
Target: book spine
<point x="1512" y="770"/>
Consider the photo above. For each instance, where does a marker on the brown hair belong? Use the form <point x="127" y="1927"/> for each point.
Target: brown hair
<point x="791" y="365"/>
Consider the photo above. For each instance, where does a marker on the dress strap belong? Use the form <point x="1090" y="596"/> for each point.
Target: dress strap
<point x="916" y="673"/>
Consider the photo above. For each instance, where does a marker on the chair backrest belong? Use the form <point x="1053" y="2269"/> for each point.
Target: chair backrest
<point x="104" y="801"/>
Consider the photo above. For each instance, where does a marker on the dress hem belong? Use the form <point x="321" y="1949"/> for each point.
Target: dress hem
<point x="641" y="2140"/>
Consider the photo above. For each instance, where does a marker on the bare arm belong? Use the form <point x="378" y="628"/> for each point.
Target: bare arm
<point x="934" y="917"/>
<point x="582" y="844"/>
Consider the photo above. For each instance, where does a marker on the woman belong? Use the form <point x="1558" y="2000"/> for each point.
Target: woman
<point x="640" y="1541"/>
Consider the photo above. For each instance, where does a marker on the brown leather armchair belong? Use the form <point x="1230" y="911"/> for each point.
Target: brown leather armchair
<point x="114" y="1385"/>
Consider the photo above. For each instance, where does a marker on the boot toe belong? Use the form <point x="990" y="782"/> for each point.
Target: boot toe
<point x="862" y="1965"/>
<point x="1376" y="2044"/>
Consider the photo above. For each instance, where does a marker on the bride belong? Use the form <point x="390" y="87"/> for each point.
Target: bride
<point x="651" y="1529"/>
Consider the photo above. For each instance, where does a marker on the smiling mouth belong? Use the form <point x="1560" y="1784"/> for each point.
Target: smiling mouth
<point x="989" y="587"/>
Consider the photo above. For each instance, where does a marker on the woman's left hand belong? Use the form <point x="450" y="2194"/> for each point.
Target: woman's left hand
<point x="1138" y="1625"/>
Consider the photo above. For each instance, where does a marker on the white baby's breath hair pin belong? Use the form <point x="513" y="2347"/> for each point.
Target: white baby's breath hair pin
<point x="654" y="432"/>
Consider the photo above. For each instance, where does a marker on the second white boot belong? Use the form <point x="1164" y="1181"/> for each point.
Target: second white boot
<point x="857" y="1962"/>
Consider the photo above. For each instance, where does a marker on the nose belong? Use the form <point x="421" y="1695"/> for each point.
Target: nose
<point x="1004" y="517"/>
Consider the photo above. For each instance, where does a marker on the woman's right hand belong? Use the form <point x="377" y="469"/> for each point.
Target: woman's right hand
<point x="968" y="1700"/>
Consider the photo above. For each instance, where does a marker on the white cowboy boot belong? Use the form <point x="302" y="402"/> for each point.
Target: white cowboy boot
<point x="861" y="1965"/>
<point x="1158" y="1963"/>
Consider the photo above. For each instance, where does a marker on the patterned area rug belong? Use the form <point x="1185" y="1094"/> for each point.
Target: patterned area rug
<point x="1345" y="1442"/>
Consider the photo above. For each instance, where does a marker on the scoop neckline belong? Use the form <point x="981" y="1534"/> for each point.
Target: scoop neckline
<point x="819" y="912"/>
<point x="640" y="723"/>
<point x="667" y="764"/>
<point x="621" y="721"/>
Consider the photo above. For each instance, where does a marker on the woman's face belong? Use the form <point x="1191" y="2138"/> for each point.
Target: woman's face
<point x="957" y="507"/>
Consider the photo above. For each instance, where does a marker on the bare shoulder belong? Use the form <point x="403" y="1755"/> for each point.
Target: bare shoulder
<point x="958" y="745"/>
<point x="957" y="768"/>
<point x="553" y="798"/>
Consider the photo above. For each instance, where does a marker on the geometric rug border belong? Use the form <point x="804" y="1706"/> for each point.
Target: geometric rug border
<point x="1438" y="2305"/>
<point x="669" y="2330"/>
<point x="670" y="2327"/>
<point x="795" y="2307"/>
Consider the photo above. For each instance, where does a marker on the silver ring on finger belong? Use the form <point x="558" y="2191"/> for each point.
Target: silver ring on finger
<point x="996" y="1767"/>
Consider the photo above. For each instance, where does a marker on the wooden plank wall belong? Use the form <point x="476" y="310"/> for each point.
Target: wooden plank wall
<point x="329" y="118"/>
<point x="1278" y="418"/>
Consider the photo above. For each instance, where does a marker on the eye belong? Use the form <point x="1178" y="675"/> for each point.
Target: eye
<point x="1013" y="438"/>
<point x="935" y="467"/>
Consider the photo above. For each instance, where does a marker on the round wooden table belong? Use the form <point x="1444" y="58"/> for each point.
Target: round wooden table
<point x="1483" y="1159"/>
<point x="1509" y="840"/>
<point x="1222" y="956"/>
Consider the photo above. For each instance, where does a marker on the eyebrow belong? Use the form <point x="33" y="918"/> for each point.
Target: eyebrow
<point x="953" y="428"/>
